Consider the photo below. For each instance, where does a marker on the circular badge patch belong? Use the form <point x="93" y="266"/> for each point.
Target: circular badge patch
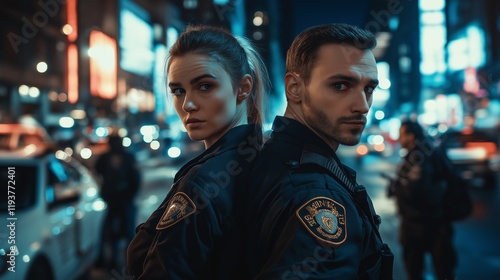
<point x="325" y="219"/>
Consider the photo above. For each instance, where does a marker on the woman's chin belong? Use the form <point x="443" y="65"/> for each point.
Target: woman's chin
<point x="195" y="136"/>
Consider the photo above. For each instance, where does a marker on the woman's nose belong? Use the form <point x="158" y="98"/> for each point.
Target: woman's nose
<point x="189" y="105"/>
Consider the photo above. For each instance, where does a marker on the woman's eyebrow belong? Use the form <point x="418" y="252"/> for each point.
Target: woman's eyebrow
<point x="193" y="81"/>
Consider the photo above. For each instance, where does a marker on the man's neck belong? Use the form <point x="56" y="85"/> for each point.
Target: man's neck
<point x="290" y="113"/>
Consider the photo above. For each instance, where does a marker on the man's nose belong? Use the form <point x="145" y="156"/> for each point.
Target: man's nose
<point x="361" y="103"/>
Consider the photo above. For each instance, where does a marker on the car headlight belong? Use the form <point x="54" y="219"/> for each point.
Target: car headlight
<point x="362" y="150"/>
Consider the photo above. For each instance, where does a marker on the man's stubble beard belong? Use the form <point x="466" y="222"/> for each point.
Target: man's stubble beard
<point x="320" y="122"/>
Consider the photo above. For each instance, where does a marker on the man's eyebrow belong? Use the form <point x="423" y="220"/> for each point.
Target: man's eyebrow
<point x="351" y="79"/>
<point x="193" y="81"/>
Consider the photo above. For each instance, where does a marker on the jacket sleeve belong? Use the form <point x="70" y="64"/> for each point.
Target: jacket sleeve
<point x="303" y="250"/>
<point x="186" y="235"/>
<point x="139" y="246"/>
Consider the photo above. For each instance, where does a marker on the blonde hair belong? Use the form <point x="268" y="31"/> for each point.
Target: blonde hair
<point x="261" y="83"/>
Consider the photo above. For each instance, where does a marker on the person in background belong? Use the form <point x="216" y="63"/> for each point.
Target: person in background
<point x="307" y="217"/>
<point x="217" y="83"/>
<point x="418" y="189"/>
<point x="120" y="182"/>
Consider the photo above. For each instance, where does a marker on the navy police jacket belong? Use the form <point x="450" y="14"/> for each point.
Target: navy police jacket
<point x="196" y="232"/>
<point x="302" y="221"/>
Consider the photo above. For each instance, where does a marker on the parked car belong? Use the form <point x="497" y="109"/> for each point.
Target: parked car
<point x="23" y="140"/>
<point x="54" y="214"/>
<point x="474" y="154"/>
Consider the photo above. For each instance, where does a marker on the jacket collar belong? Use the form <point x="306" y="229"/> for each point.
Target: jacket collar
<point x="240" y="135"/>
<point x="302" y="135"/>
<point x="294" y="129"/>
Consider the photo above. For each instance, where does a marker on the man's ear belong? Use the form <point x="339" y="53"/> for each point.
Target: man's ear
<point x="244" y="88"/>
<point x="293" y="86"/>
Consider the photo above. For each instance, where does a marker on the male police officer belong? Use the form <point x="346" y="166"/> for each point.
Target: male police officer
<point x="307" y="217"/>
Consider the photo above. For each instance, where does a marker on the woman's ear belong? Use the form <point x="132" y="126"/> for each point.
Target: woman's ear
<point x="293" y="85"/>
<point x="244" y="88"/>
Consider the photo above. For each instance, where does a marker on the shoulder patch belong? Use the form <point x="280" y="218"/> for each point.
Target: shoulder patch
<point x="325" y="219"/>
<point x="179" y="207"/>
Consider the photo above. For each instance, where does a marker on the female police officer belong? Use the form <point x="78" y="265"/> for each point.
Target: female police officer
<point x="217" y="82"/>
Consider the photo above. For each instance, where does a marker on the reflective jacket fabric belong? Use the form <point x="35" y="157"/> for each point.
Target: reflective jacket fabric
<point x="196" y="232"/>
<point x="302" y="222"/>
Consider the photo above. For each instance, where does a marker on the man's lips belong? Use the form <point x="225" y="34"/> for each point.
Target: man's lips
<point x="356" y="122"/>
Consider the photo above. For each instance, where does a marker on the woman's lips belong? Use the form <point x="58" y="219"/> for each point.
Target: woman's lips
<point x="193" y="123"/>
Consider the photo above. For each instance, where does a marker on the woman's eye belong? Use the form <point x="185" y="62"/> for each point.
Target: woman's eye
<point x="177" y="91"/>
<point x="205" y="87"/>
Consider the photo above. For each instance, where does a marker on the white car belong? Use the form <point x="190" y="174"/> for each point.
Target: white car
<point x="52" y="215"/>
<point x="20" y="140"/>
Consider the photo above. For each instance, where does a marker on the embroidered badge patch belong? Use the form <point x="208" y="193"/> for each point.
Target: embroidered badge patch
<point x="178" y="208"/>
<point x="325" y="219"/>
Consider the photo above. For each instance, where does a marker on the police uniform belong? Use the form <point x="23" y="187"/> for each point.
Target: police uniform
<point x="307" y="218"/>
<point x="419" y="189"/>
<point x="196" y="232"/>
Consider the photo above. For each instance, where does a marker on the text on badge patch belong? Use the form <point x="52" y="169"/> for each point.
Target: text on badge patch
<point x="325" y="219"/>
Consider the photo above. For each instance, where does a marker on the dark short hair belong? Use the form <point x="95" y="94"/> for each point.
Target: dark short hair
<point x="414" y="128"/>
<point x="302" y="54"/>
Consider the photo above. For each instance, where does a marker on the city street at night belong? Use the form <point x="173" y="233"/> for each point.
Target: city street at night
<point x="102" y="103"/>
<point x="476" y="238"/>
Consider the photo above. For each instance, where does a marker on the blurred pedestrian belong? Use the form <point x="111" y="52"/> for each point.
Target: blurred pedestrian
<point x="418" y="189"/>
<point x="217" y="83"/>
<point x="120" y="182"/>
<point x="307" y="216"/>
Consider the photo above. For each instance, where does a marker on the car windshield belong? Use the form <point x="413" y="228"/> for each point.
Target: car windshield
<point x="22" y="191"/>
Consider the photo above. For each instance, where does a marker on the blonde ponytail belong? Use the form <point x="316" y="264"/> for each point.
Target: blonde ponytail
<point x="261" y="83"/>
